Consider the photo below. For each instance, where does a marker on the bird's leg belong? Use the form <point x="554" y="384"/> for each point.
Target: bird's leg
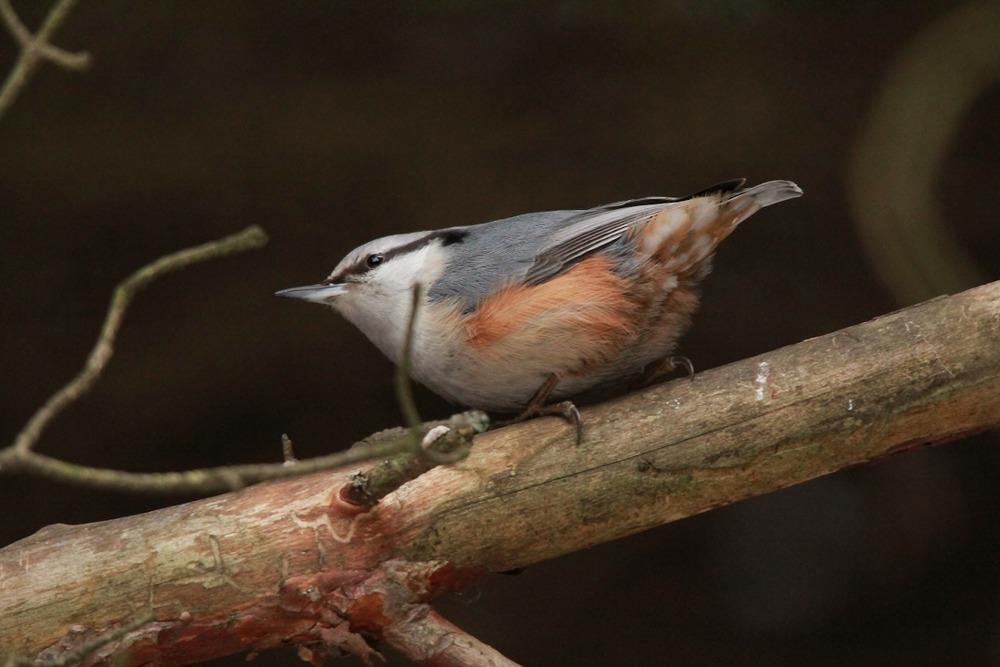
<point x="538" y="408"/>
<point x="658" y="370"/>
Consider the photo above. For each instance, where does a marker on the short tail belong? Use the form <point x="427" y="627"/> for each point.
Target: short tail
<point x="685" y="234"/>
<point x="740" y="205"/>
<point x="772" y="192"/>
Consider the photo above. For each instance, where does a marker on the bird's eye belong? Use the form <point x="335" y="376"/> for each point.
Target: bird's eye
<point x="374" y="260"/>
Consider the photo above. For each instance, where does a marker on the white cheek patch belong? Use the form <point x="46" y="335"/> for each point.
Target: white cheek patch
<point x="404" y="271"/>
<point x="381" y="303"/>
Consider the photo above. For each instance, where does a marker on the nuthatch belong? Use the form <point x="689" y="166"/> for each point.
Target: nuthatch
<point x="555" y="305"/>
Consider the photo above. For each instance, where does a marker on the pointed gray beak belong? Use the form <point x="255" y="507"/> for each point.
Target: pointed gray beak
<point x="320" y="293"/>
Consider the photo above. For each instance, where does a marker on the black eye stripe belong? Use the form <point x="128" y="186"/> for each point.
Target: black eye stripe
<point x="453" y="236"/>
<point x="376" y="259"/>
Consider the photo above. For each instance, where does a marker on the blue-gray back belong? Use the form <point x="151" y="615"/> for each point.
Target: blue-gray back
<point x="495" y="254"/>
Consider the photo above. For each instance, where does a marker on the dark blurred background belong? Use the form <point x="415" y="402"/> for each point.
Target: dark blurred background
<point x="330" y="124"/>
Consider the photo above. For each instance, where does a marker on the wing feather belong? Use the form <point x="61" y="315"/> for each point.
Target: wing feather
<point x="582" y="236"/>
<point x="590" y="231"/>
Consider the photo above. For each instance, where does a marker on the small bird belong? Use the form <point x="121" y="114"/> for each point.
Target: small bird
<point x="547" y="306"/>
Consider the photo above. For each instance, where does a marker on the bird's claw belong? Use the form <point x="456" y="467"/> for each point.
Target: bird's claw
<point x="659" y="370"/>
<point x="565" y="409"/>
<point x="538" y="408"/>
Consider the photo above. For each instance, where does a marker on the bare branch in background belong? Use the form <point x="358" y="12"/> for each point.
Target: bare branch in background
<point x="36" y="49"/>
<point x="366" y="490"/>
<point x="248" y="239"/>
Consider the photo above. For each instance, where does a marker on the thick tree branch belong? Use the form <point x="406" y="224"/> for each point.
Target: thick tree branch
<point x="283" y="563"/>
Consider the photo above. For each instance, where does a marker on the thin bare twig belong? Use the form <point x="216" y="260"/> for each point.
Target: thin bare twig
<point x="35" y="49"/>
<point x="248" y="239"/>
<point x="365" y="489"/>
<point x="404" y="392"/>
<point x="424" y="444"/>
<point x="29" y="42"/>
<point x="21" y="457"/>
<point x="287" y="450"/>
<point x="445" y="443"/>
<point x="199" y="480"/>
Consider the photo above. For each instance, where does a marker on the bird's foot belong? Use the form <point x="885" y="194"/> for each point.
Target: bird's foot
<point x="663" y="368"/>
<point x="537" y="407"/>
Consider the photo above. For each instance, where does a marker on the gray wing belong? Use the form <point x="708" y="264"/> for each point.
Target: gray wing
<point x="590" y="231"/>
<point x="583" y="235"/>
<point x="495" y="254"/>
<point x="535" y="247"/>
